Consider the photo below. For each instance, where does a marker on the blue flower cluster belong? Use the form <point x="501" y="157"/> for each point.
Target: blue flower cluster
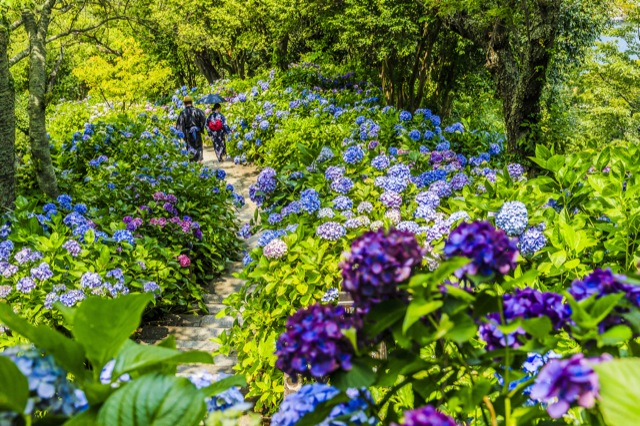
<point x="513" y="218"/>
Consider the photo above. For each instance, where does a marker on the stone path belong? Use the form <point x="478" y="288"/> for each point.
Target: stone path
<point x="194" y="332"/>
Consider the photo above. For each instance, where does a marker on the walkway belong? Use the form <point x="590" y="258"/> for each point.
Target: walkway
<point x="194" y="332"/>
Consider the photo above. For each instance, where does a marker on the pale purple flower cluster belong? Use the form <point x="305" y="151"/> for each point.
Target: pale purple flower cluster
<point x="73" y="247"/>
<point x="42" y="272"/>
<point x="391" y="199"/>
<point x="342" y="203"/>
<point x="426" y="416"/>
<point x="428" y="198"/>
<point x="266" y="181"/>
<point x="331" y="231"/>
<point x="381" y="162"/>
<point x="562" y="383"/>
<point x="512" y="218"/>
<point x="364" y="207"/>
<point x="275" y="249"/>
<point x="515" y="170"/>
<point x="333" y="172"/>
<point x="342" y="185"/>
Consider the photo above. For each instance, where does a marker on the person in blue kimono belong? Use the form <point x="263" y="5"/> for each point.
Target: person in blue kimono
<point x="191" y="123"/>
<point x="218" y="130"/>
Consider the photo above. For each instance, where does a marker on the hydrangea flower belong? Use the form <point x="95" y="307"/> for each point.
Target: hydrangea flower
<point x="245" y="231"/>
<point x="408" y="226"/>
<point x="275" y="249"/>
<point x="405" y="116"/>
<point x="425" y="212"/>
<point x="342" y="185"/>
<point x="266" y="181"/>
<point x="415" y="135"/>
<point x="428" y="199"/>
<point x="602" y="282"/>
<point x="274" y="218"/>
<point x="393" y="215"/>
<point x="342" y="203"/>
<point x="441" y="188"/>
<point x="330" y="296"/>
<point x="532" y="241"/>
<point x="222" y="401"/>
<point x="326" y="213"/>
<point x="313" y="344"/>
<point x="42" y="272"/>
<point x="296" y="405"/>
<point x="331" y="231"/>
<point x="184" y="260"/>
<point x="151" y="287"/>
<point x="49" y="388"/>
<point x="25" y="285"/>
<point x="376" y="225"/>
<point x="6" y="247"/>
<point x="123" y="235"/>
<point x="353" y="155"/>
<point x="377" y="263"/>
<point x="309" y="200"/>
<point x="512" y="218"/>
<point x="562" y="383"/>
<point x="515" y="170"/>
<point x="381" y="162"/>
<point x="334" y="172"/>
<point x="459" y="181"/>
<point x="426" y="416"/>
<point x="490" y="250"/>
<point x="364" y="207"/>
<point x="391" y="199"/>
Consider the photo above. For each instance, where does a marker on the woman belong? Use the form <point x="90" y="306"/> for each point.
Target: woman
<point x="218" y="129"/>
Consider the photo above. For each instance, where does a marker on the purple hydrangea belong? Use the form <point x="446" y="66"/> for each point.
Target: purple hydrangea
<point x="602" y="282"/>
<point x="515" y="170"/>
<point x="42" y="272"/>
<point x="428" y="199"/>
<point x="274" y="218"/>
<point x="333" y="172"/>
<point x="245" y="231"/>
<point x="275" y="249"/>
<point x="377" y="263"/>
<point x="342" y="185"/>
<point x="564" y="382"/>
<point x="459" y="181"/>
<point x="391" y="199"/>
<point x="25" y="285"/>
<point x="313" y="344"/>
<point x="266" y="181"/>
<point x="331" y="231"/>
<point x="490" y="250"/>
<point x="441" y="188"/>
<point x="426" y="416"/>
<point x="90" y="280"/>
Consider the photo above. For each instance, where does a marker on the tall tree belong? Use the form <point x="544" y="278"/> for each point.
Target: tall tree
<point x="37" y="30"/>
<point x="519" y="40"/>
<point x="7" y="120"/>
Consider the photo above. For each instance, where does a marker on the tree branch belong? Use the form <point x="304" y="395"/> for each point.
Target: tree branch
<point x="15" y="25"/>
<point x="54" y="73"/>
<point x="23" y="54"/>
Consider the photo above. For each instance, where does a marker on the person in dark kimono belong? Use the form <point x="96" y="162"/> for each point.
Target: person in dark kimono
<point x="218" y="129"/>
<point x="191" y="123"/>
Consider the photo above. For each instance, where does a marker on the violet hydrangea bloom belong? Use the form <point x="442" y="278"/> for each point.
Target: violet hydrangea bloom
<point x="267" y="180"/>
<point x="490" y="250"/>
<point x="275" y="249"/>
<point x="512" y="218"/>
<point x="564" y="382"/>
<point x="426" y="416"/>
<point x="313" y="344"/>
<point x="331" y="231"/>
<point x="377" y="263"/>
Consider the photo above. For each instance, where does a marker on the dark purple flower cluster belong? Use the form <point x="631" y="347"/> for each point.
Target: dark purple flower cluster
<point x="602" y="282"/>
<point x="490" y="250"/>
<point x="377" y="263"/>
<point x="426" y="416"/>
<point x="267" y="180"/>
<point x="563" y="382"/>
<point x="313" y="344"/>
<point x="524" y="303"/>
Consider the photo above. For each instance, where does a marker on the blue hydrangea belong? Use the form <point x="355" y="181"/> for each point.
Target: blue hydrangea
<point x="512" y="218"/>
<point x="441" y="188"/>
<point x="331" y="231"/>
<point x="435" y="120"/>
<point x="342" y="203"/>
<point x="274" y="218"/>
<point x="309" y="200"/>
<point x="6" y="247"/>
<point x="264" y="125"/>
<point x="494" y="149"/>
<point x="342" y="185"/>
<point x="360" y="120"/>
<point x="393" y="151"/>
<point x="49" y="388"/>
<point x="455" y="127"/>
<point x="353" y="155"/>
<point x="381" y="162"/>
<point x="430" y="176"/>
<point x="405" y="116"/>
<point x="65" y="202"/>
<point x="326" y="154"/>
<point x="443" y="146"/>
<point x="415" y="135"/>
<point x="428" y="135"/>
<point x="222" y="401"/>
<point x="326" y="213"/>
<point x="124" y="236"/>
<point x="246" y="259"/>
<point x="532" y="241"/>
<point x="428" y="198"/>
<point x="459" y="181"/>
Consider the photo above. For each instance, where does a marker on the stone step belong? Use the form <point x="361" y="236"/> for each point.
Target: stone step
<point x="197" y="345"/>
<point x="206" y="321"/>
<point x="186" y="369"/>
<point x="212" y="299"/>
<point x="195" y="333"/>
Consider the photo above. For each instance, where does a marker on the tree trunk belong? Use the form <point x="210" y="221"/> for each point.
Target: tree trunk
<point x="205" y="65"/>
<point x="7" y="124"/>
<point x="38" y="138"/>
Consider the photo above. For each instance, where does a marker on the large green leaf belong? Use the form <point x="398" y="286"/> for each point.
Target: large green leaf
<point x="361" y="375"/>
<point x="14" y="387"/>
<point x="102" y="326"/>
<point x="224" y="384"/>
<point x="417" y="309"/>
<point x="620" y="391"/>
<point x="134" y="356"/>
<point x="154" y="400"/>
<point x="66" y="352"/>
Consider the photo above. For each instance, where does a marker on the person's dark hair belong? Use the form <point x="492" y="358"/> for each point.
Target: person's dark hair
<point x="216" y="107"/>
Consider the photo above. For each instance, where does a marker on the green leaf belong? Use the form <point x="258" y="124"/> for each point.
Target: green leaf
<point x="134" y="356"/>
<point x="537" y="327"/>
<point x="383" y="316"/>
<point x="14" y="387"/>
<point x="614" y="336"/>
<point x="361" y="375"/>
<point x="154" y="400"/>
<point x="322" y="410"/>
<point x="620" y="391"/>
<point x="86" y="418"/>
<point x="542" y="152"/>
<point x="417" y="309"/>
<point x="224" y="384"/>
<point x="66" y="352"/>
<point x="555" y="163"/>
<point x="102" y="326"/>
